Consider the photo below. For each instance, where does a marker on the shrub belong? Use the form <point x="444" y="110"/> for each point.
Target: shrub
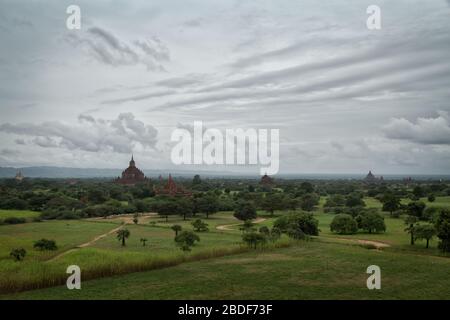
<point x="45" y="244"/>
<point x="18" y="254"/>
<point x="443" y="230"/>
<point x="245" y="211"/>
<point x="253" y="239"/>
<point x="372" y="222"/>
<point x="186" y="239"/>
<point x="200" y="226"/>
<point x="296" y="222"/>
<point x="344" y="224"/>
<point x="14" y="220"/>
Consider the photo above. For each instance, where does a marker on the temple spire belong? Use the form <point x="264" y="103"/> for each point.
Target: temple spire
<point x="132" y="163"/>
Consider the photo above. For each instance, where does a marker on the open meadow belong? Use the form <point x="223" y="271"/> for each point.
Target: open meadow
<point x="220" y="265"/>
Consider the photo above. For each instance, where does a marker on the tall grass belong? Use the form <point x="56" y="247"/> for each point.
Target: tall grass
<point x="98" y="263"/>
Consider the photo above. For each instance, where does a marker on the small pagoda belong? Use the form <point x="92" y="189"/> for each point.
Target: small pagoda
<point x="171" y="188"/>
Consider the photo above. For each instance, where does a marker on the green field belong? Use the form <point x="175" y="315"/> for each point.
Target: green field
<point x="18" y="214"/>
<point x="327" y="267"/>
<point x="307" y="270"/>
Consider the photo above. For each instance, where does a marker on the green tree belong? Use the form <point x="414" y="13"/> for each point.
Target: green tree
<point x="253" y="239"/>
<point x="208" y="204"/>
<point x="344" y="224"/>
<point x="272" y="202"/>
<point x="355" y="200"/>
<point x="167" y="208"/>
<point x="245" y="210"/>
<point x="372" y="222"/>
<point x="411" y="222"/>
<point x="177" y="228"/>
<point x="424" y="232"/>
<point x="443" y="229"/>
<point x="199" y="225"/>
<point x="45" y="244"/>
<point x="18" y="254"/>
<point x="143" y="241"/>
<point x="308" y="201"/>
<point x="122" y="235"/>
<point x="186" y="239"/>
<point x="416" y="209"/>
<point x="247" y="226"/>
<point x="391" y="203"/>
<point x="431" y="198"/>
<point x="298" y="223"/>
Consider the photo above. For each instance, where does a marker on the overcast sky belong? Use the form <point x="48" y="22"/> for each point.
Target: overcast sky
<point x="346" y="99"/>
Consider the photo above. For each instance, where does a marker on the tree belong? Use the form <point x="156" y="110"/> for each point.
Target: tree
<point x="199" y="225"/>
<point x="247" y="226"/>
<point x="308" y="201"/>
<point x="354" y="200"/>
<point x="167" y="208"/>
<point x="135" y="219"/>
<point x="424" y="232"/>
<point x="418" y="192"/>
<point x="177" y="228"/>
<point x="197" y="180"/>
<point x="122" y="235"/>
<point x="143" y="241"/>
<point x="372" y="222"/>
<point x="18" y="254"/>
<point x="253" y="239"/>
<point x="416" y="209"/>
<point x="298" y="223"/>
<point x="186" y="239"/>
<point x="335" y="200"/>
<point x="411" y="221"/>
<point x="431" y="198"/>
<point x="344" y="224"/>
<point x="245" y="210"/>
<point x="208" y="205"/>
<point x="390" y="202"/>
<point x="443" y="230"/>
<point x="272" y="202"/>
<point x="185" y="207"/>
<point x="45" y="244"/>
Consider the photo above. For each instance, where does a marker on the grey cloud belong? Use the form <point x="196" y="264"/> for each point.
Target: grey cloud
<point x="118" y="135"/>
<point x="423" y="130"/>
<point x="140" y="97"/>
<point x="109" y="49"/>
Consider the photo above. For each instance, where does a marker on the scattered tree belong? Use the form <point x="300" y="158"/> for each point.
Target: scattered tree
<point x="143" y="241"/>
<point x="372" y="222"/>
<point x="443" y="230"/>
<point x="424" y="232"/>
<point x="344" y="224"/>
<point x="245" y="210"/>
<point x="186" y="239"/>
<point x="253" y="239"/>
<point x="18" y="254"/>
<point x="122" y="235"/>
<point x="45" y="244"/>
<point x="200" y="226"/>
<point x="177" y="228"/>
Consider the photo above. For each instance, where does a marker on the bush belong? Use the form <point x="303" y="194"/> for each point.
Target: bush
<point x="371" y="222"/>
<point x="295" y="224"/>
<point x="186" y="239"/>
<point x="245" y="211"/>
<point x="443" y="230"/>
<point x="14" y="220"/>
<point x="344" y="224"/>
<point x="18" y="254"/>
<point x="200" y="226"/>
<point x="45" y="244"/>
<point x="253" y="239"/>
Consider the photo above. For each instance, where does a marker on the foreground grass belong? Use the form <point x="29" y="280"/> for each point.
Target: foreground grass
<point x="309" y="270"/>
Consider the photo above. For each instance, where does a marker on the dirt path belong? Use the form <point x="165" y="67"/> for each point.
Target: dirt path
<point x="377" y="244"/>
<point x="89" y="243"/>
<point x="227" y="227"/>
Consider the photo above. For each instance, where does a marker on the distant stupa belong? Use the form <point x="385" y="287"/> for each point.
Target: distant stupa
<point x="131" y="175"/>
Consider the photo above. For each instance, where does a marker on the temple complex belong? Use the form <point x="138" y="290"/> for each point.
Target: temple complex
<point x="131" y="175"/>
<point x="171" y="188"/>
